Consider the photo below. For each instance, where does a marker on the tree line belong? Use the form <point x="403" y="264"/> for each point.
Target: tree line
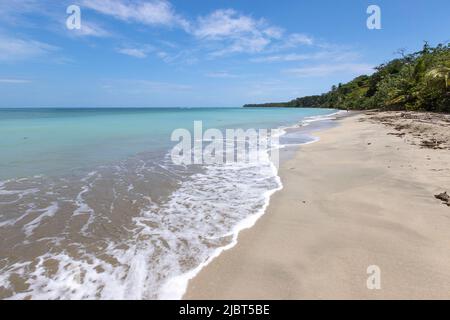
<point x="417" y="82"/>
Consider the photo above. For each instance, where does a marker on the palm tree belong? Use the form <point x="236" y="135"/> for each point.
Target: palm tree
<point x="441" y="72"/>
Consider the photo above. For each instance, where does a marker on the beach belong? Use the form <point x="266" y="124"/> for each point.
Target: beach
<point x="91" y="212"/>
<point x="363" y="195"/>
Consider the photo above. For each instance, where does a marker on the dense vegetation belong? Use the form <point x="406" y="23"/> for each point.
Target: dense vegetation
<point x="418" y="81"/>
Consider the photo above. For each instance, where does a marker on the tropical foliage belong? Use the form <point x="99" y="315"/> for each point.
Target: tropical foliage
<point x="419" y="81"/>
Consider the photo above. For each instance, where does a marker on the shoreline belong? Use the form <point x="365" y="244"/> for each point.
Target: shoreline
<point x="356" y="198"/>
<point x="176" y="287"/>
<point x="132" y="186"/>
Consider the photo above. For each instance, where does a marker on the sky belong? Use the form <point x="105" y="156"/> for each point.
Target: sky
<point x="199" y="53"/>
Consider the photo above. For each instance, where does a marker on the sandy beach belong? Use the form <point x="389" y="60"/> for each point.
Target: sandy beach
<point x="363" y="195"/>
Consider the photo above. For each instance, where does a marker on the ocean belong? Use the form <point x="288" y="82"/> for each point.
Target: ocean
<point x="93" y="207"/>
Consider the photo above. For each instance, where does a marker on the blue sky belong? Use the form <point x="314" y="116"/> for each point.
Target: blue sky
<point x="199" y="53"/>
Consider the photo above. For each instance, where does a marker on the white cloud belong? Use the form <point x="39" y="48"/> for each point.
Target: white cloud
<point x="221" y="74"/>
<point x="90" y="29"/>
<point x="14" y="81"/>
<point x="163" y="55"/>
<point x="337" y="55"/>
<point x="15" y="12"/>
<point x="297" y="39"/>
<point x="283" y="58"/>
<point x="225" y="31"/>
<point x="14" y="49"/>
<point x="140" y="53"/>
<point x="183" y="57"/>
<point x="12" y="11"/>
<point x="225" y="23"/>
<point x="237" y="32"/>
<point x="154" y="12"/>
<point x="246" y="45"/>
<point x="144" y="51"/>
<point x="293" y="40"/>
<point x="329" y="69"/>
<point x="274" y="32"/>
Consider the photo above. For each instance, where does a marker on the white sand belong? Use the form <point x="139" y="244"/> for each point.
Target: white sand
<point x="356" y="198"/>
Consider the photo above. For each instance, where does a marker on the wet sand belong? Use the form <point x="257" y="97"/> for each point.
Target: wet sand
<point x="363" y="195"/>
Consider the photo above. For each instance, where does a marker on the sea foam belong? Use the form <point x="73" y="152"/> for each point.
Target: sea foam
<point x="149" y="255"/>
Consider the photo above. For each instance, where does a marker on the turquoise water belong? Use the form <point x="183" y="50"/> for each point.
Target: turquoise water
<point x="92" y="206"/>
<point x="55" y="141"/>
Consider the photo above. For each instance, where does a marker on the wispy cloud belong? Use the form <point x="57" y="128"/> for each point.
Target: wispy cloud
<point x="136" y="52"/>
<point x="225" y="24"/>
<point x="13" y="11"/>
<point x="17" y="12"/>
<point x="337" y="55"/>
<point x="182" y="57"/>
<point x="222" y="75"/>
<point x="237" y="32"/>
<point x="329" y="69"/>
<point x="153" y="13"/>
<point x="221" y="32"/>
<point x="14" y="81"/>
<point x="296" y="39"/>
<point x="90" y="29"/>
<point x="283" y="58"/>
<point x="14" y="49"/>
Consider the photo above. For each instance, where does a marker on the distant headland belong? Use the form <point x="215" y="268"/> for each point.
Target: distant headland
<point x="414" y="82"/>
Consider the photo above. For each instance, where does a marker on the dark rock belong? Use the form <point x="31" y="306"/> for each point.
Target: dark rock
<point x="444" y="197"/>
